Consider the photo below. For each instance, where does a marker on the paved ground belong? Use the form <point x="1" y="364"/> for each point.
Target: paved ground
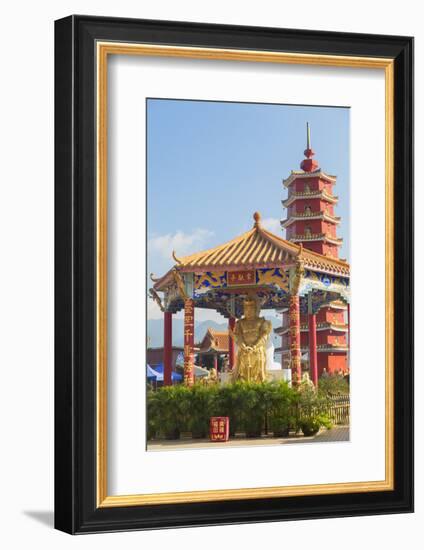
<point x="338" y="433"/>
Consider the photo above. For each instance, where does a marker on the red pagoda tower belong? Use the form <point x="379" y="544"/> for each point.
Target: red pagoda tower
<point x="311" y="221"/>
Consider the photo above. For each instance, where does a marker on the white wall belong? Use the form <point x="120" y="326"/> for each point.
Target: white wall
<point x="26" y="277"/>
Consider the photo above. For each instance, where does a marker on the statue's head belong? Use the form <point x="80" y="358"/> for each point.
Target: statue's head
<point x="250" y="308"/>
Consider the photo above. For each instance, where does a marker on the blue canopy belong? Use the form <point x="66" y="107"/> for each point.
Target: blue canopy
<point x="151" y="373"/>
<point x="157" y="374"/>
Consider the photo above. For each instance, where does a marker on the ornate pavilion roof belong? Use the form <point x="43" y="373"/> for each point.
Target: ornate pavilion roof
<point x="254" y="249"/>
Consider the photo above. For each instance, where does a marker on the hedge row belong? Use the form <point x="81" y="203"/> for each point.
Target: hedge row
<point x="270" y="407"/>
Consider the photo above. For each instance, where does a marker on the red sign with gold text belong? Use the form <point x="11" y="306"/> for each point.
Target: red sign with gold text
<point x="237" y="278"/>
<point x="189" y="342"/>
<point x="219" y="428"/>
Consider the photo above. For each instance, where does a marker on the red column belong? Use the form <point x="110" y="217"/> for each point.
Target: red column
<point x="313" y="358"/>
<point x="215" y="362"/>
<point x="294" y="316"/>
<point x="231" y="345"/>
<point x="282" y="341"/>
<point x="348" y="325"/>
<point x="188" y="342"/>
<point x="167" y="349"/>
<point x="348" y="336"/>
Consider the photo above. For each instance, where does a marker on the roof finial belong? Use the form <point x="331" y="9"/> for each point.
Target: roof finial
<point x="257" y="218"/>
<point x="308" y="136"/>
<point x="308" y="164"/>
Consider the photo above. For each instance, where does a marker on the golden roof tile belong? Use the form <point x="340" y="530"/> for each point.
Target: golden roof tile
<point x="256" y="248"/>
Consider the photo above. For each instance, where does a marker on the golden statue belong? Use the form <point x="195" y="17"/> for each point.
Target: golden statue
<point x="211" y="379"/>
<point x="251" y="334"/>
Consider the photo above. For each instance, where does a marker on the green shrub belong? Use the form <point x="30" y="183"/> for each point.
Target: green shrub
<point x="333" y="385"/>
<point x="312" y="411"/>
<point x="227" y="403"/>
<point x="251" y="403"/>
<point x="200" y="408"/>
<point x="170" y="408"/>
<point x="280" y="408"/>
<point x="251" y="408"/>
<point x="311" y="425"/>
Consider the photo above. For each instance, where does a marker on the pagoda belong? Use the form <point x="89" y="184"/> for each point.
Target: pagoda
<point x="312" y="223"/>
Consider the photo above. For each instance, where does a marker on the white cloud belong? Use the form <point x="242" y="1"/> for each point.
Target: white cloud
<point x="182" y="243"/>
<point x="273" y="225"/>
<point x="153" y="310"/>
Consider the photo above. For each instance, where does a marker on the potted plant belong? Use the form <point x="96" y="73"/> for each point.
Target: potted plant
<point x="312" y="411"/>
<point x="312" y="424"/>
<point x="226" y="403"/>
<point x="252" y="408"/>
<point x="280" y="409"/>
<point x="172" y="408"/>
<point x="199" y="409"/>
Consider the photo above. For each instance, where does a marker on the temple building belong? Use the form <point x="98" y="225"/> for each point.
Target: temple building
<point x="311" y="222"/>
<point x="213" y="350"/>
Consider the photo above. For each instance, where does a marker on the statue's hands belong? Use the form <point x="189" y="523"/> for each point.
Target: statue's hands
<point x="244" y="347"/>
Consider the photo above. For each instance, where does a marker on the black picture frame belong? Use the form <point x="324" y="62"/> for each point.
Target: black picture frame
<point x="76" y="510"/>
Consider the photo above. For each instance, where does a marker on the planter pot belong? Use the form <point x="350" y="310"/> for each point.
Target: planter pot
<point x="310" y="429"/>
<point x="281" y="432"/>
<point x="151" y="434"/>
<point x="253" y="433"/>
<point x="173" y="434"/>
<point x="198" y="435"/>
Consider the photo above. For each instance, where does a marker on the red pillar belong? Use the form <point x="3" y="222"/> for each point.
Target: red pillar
<point x="283" y="365"/>
<point x="313" y="357"/>
<point x="348" y="336"/>
<point x="215" y="362"/>
<point x="294" y="316"/>
<point x="188" y="342"/>
<point x="167" y="349"/>
<point x="231" y="344"/>
<point x="348" y="325"/>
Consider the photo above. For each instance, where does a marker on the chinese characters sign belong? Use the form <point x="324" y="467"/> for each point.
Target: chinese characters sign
<point x="294" y="331"/>
<point x="219" y="428"/>
<point x="189" y="342"/>
<point x="238" y="278"/>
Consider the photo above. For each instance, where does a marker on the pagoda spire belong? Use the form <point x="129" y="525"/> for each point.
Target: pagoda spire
<point x="308" y="164"/>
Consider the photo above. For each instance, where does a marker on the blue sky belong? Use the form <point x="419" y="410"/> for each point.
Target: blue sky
<point x="210" y="165"/>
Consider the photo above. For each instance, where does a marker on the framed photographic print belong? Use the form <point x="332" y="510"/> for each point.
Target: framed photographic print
<point x="234" y="274"/>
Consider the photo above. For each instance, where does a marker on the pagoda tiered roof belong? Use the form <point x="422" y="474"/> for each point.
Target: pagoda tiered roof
<point x="338" y="327"/>
<point x="316" y="194"/>
<point x="254" y="249"/>
<point x="321" y="348"/>
<point x="296" y="174"/>
<point x="318" y="237"/>
<point x="300" y="216"/>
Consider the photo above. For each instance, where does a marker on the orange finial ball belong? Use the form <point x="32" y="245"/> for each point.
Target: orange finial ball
<point x="257" y="217"/>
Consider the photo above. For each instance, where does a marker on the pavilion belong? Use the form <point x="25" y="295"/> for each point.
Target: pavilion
<point x="282" y="275"/>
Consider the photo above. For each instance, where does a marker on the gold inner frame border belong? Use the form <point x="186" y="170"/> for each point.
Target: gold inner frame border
<point x="103" y="50"/>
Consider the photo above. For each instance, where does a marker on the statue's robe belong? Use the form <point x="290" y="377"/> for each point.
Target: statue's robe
<point x="251" y="363"/>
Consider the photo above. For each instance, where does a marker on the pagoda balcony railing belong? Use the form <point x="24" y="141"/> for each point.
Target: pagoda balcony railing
<point x="316" y="237"/>
<point x="343" y="327"/>
<point x="315" y="194"/>
<point x="327" y="347"/>
<point x="326" y="325"/>
<point x="311" y="215"/>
